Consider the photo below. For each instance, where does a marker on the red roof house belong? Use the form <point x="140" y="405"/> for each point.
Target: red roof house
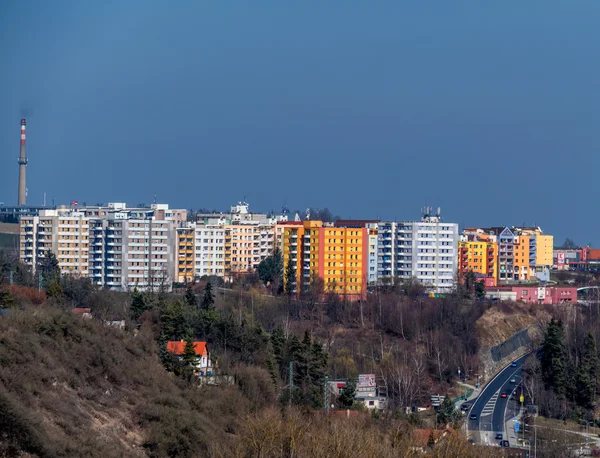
<point x="203" y="363"/>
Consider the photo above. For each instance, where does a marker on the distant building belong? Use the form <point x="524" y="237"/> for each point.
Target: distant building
<point x="115" y="246"/>
<point x="64" y="233"/>
<point x="524" y="253"/>
<point x="550" y="295"/>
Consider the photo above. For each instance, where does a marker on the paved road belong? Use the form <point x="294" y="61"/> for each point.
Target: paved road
<point x="491" y="408"/>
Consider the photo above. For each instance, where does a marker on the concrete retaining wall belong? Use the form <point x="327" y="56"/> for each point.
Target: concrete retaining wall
<point x="495" y="358"/>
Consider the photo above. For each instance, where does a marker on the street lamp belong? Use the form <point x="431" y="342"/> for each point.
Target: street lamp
<point x="527" y="443"/>
<point x="587" y="432"/>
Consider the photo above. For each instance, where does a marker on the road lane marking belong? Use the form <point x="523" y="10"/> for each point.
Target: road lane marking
<point x="489" y="407"/>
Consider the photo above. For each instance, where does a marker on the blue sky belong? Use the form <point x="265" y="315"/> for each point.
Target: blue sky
<point x="489" y="110"/>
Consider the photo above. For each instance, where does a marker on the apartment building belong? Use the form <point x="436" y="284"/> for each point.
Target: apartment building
<point x="541" y="248"/>
<point x="337" y="256"/>
<point x="247" y="243"/>
<point x="209" y="250"/>
<point x="184" y="265"/>
<point x="425" y="250"/>
<point x="65" y="233"/>
<point x="130" y="253"/>
<point x="524" y="253"/>
<point x="158" y="211"/>
<point x="480" y="256"/>
<point x="386" y="252"/>
<point x="372" y="227"/>
<point x="116" y="246"/>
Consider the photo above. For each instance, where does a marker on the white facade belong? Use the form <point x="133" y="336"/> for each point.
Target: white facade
<point x="132" y="253"/>
<point x="209" y="250"/>
<point x="425" y="250"/>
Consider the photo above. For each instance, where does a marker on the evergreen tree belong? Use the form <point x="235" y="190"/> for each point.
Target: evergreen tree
<point x="552" y="358"/>
<point x="189" y="352"/>
<point x="6" y="299"/>
<point x="446" y="413"/>
<point x="208" y="300"/>
<point x="586" y="373"/>
<point x="346" y="398"/>
<point x="190" y="297"/>
<point x="50" y="271"/>
<point x="174" y="322"/>
<point x="480" y="290"/>
<point x="270" y="269"/>
<point x="318" y="366"/>
<point x="431" y="440"/>
<point x="290" y="277"/>
<point x="138" y="304"/>
<point x="278" y="344"/>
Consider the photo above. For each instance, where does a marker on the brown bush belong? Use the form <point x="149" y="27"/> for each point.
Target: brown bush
<point x="28" y="295"/>
<point x="257" y="386"/>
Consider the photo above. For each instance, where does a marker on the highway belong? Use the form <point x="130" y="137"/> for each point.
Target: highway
<point x="491" y="408"/>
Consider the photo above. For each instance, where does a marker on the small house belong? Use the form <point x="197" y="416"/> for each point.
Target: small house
<point x="203" y="364"/>
<point x="85" y="312"/>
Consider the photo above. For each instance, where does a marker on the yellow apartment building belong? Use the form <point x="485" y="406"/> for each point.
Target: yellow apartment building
<point x="185" y="254"/>
<point x="338" y="256"/>
<point x="478" y="256"/>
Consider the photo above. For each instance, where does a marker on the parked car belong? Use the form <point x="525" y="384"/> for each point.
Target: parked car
<point x="499" y="436"/>
<point x="466" y="406"/>
<point x="513" y="364"/>
<point x="504" y="443"/>
<point x="473" y="416"/>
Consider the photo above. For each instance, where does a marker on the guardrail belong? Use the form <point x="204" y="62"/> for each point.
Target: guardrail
<point x="463" y="397"/>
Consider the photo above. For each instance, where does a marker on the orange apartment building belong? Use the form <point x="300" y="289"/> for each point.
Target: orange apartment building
<point x="479" y="256"/>
<point x="338" y="256"/>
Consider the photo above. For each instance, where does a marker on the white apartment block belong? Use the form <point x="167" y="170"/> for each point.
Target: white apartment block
<point x="132" y="253"/>
<point x="117" y="247"/>
<point x="209" y="250"/>
<point x="426" y="250"/>
<point x="66" y="234"/>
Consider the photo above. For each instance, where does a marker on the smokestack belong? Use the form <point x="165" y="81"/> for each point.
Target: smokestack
<point x="22" y="167"/>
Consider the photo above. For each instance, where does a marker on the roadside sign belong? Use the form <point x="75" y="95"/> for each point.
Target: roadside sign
<point x="517" y="427"/>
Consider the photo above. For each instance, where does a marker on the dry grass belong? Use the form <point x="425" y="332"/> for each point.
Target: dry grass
<point x="503" y="320"/>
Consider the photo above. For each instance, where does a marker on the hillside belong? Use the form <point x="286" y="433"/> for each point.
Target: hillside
<point x="499" y="323"/>
<point x="73" y="387"/>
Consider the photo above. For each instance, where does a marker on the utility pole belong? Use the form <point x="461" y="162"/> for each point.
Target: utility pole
<point x="291" y="381"/>
<point x="326" y="395"/>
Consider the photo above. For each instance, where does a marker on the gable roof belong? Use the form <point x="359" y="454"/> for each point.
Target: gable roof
<point x="177" y="347"/>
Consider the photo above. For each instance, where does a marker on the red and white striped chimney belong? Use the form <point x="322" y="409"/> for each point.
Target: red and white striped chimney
<point x="22" y="167"/>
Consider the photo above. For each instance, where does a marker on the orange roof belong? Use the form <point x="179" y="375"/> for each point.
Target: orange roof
<point x="421" y="436"/>
<point x="81" y="310"/>
<point x="177" y="346"/>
